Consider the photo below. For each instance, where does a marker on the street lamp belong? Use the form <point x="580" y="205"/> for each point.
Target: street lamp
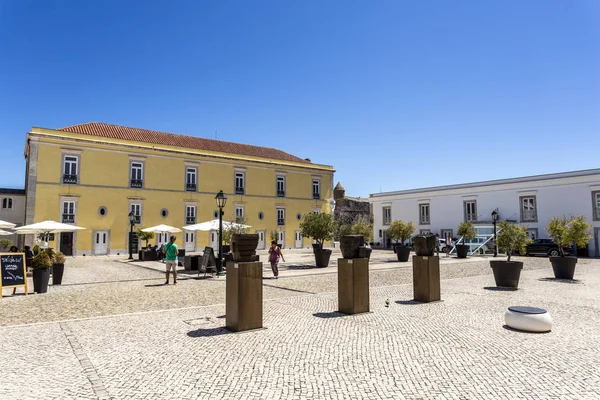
<point x="221" y="201"/>
<point x="131" y="222"/>
<point x="494" y="219"/>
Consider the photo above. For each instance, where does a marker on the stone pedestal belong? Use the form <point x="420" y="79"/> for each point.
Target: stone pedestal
<point x="353" y="285"/>
<point x="426" y="278"/>
<point x="244" y="296"/>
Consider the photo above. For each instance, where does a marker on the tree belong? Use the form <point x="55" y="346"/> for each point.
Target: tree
<point x="564" y="231"/>
<point x="320" y="227"/>
<point x="147" y="236"/>
<point x="512" y="238"/>
<point x="400" y="231"/>
<point x="273" y="236"/>
<point x="362" y="227"/>
<point x="467" y="231"/>
<point x="233" y="226"/>
<point x="5" y="244"/>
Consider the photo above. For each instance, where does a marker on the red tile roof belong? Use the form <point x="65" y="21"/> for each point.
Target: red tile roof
<point x="101" y="129"/>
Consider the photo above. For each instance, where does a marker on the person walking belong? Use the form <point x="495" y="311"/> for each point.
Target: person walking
<point x="449" y="245"/>
<point x="171" y="251"/>
<point x="437" y="244"/>
<point x="274" y="255"/>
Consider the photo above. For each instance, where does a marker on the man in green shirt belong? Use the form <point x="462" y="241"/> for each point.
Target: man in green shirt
<point x="171" y="250"/>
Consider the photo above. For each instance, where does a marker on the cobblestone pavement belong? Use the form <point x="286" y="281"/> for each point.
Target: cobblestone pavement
<point x="172" y="345"/>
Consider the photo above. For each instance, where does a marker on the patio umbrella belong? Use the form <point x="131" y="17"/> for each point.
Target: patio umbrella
<point x="214" y="226"/>
<point x="6" y="233"/>
<point x="6" y="225"/>
<point x="48" y="226"/>
<point x="162" y="228"/>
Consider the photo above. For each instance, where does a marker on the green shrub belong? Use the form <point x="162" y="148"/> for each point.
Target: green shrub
<point x="362" y="227"/>
<point x="59" y="258"/>
<point x="467" y="231"/>
<point x="400" y="231"/>
<point x="41" y="261"/>
<point x="565" y="230"/>
<point x="147" y="236"/>
<point x="5" y="244"/>
<point x="319" y="227"/>
<point x="511" y="238"/>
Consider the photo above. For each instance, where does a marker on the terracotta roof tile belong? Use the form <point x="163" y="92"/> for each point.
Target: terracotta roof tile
<point x="101" y="129"/>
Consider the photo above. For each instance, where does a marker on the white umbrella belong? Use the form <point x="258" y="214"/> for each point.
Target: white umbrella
<point x="214" y="226"/>
<point x="5" y="232"/>
<point x="162" y="228"/>
<point x="48" y="226"/>
<point x="6" y="225"/>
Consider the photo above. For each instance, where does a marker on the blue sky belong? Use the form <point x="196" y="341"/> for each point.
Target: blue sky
<point x="393" y="94"/>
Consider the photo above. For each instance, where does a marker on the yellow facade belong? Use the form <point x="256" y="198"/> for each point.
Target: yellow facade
<point x="103" y="180"/>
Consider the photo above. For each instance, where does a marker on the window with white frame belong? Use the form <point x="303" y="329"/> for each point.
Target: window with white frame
<point x="136" y="209"/>
<point x="424" y="217"/>
<point x="528" y="209"/>
<point x="280" y="186"/>
<point x="137" y="174"/>
<point x="68" y="212"/>
<point x="190" y="179"/>
<point x="240" y="182"/>
<point x="280" y="216"/>
<point x="387" y="215"/>
<point x="190" y="215"/>
<point x="596" y="205"/>
<point x="470" y="211"/>
<point x="7" y="203"/>
<point x="316" y="189"/>
<point x="70" y="169"/>
<point x="239" y="212"/>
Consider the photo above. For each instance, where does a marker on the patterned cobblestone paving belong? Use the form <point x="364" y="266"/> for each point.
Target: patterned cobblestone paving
<point x="453" y="349"/>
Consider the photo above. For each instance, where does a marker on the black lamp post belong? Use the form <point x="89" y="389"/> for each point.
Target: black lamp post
<point x="494" y="219"/>
<point x="131" y="222"/>
<point x="221" y="201"/>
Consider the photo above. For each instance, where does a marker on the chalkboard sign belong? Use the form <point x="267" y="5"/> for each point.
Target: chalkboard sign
<point x="208" y="260"/>
<point x="12" y="268"/>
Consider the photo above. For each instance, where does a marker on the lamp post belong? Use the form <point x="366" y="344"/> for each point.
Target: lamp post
<point x="221" y="201"/>
<point x="494" y="219"/>
<point x="131" y="222"/>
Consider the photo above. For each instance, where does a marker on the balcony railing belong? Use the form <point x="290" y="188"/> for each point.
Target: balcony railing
<point x="280" y="221"/>
<point x="387" y="221"/>
<point x="316" y="196"/>
<point x="137" y="219"/>
<point x="190" y="220"/>
<point x="68" y="218"/>
<point x="137" y="183"/>
<point x="281" y="193"/>
<point x="471" y="217"/>
<point x="424" y="219"/>
<point x="69" y="179"/>
<point x="239" y="190"/>
<point x="529" y="215"/>
<point x="190" y="187"/>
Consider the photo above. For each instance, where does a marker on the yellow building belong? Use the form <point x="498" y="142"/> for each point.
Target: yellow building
<point x="93" y="175"/>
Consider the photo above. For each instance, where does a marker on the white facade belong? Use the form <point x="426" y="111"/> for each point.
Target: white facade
<point x="12" y="209"/>
<point x="531" y="201"/>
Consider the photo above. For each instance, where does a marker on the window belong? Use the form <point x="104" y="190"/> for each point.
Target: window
<point x="136" y="208"/>
<point x="240" y="183"/>
<point x="215" y="214"/>
<point x="528" y="209"/>
<point x="316" y="211"/>
<point x="316" y="187"/>
<point x="424" y="214"/>
<point x="470" y="211"/>
<point x="70" y="169"/>
<point x="102" y="211"/>
<point x="164" y="213"/>
<point x="280" y="216"/>
<point x="190" y="215"/>
<point x="532" y="233"/>
<point x="261" y="215"/>
<point x="380" y="233"/>
<point x="596" y="205"/>
<point x="190" y="179"/>
<point x="239" y="212"/>
<point x="7" y="203"/>
<point x="387" y="215"/>
<point x="68" y="213"/>
<point x="299" y="216"/>
<point x="137" y="175"/>
<point x="280" y="186"/>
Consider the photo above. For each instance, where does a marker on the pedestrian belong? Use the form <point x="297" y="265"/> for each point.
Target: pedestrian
<point x="449" y="245"/>
<point x="437" y="244"/>
<point x="274" y="255"/>
<point x="171" y="251"/>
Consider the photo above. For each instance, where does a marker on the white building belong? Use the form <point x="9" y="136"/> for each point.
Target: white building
<point x="530" y="201"/>
<point x="12" y="209"/>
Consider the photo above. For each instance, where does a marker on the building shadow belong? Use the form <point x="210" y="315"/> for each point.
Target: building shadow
<point x="569" y="281"/>
<point x="409" y="302"/>
<point x="508" y="328"/>
<point x="207" y="332"/>
<point x="500" y="289"/>
<point x="333" y="314"/>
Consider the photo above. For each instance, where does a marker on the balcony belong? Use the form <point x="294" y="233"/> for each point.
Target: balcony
<point x="137" y="219"/>
<point x="280" y="221"/>
<point x="68" y="218"/>
<point x="137" y="183"/>
<point x="471" y="217"/>
<point x="190" y="187"/>
<point x="239" y="190"/>
<point x="281" y="193"/>
<point x="387" y="221"/>
<point x="529" y="215"/>
<point x="69" y="179"/>
<point x="190" y="220"/>
<point x="424" y="219"/>
<point x="317" y="196"/>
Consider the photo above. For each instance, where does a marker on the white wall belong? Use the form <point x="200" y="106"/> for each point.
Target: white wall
<point x="16" y="215"/>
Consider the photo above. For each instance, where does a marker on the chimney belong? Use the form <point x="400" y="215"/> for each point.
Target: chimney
<point x="307" y="159"/>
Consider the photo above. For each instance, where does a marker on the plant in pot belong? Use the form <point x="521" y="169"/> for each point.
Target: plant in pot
<point x="5" y="244"/>
<point x="362" y="226"/>
<point x="400" y="232"/>
<point x="58" y="268"/>
<point x="146" y="236"/>
<point x="321" y="228"/>
<point x="234" y="226"/>
<point x="510" y="239"/>
<point x="467" y="231"/>
<point x="41" y="265"/>
<point x="563" y="232"/>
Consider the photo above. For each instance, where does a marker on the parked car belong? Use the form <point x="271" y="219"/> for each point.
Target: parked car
<point x="545" y="247"/>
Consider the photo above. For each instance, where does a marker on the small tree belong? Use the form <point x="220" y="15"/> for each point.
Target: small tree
<point x="565" y="230"/>
<point x="147" y="236"/>
<point x="5" y="244"/>
<point x="320" y="227"/>
<point x="233" y="226"/>
<point x="273" y="236"/>
<point x="362" y="227"/>
<point x="400" y="231"/>
<point x="467" y="231"/>
<point x="41" y="261"/>
<point x="512" y="238"/>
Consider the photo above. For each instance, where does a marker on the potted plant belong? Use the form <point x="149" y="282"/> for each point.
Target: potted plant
<point x="510" y="238"/>
<point x="363" y="227"/>
<point x="147" y="236"/>
<point x="400" y="232"/>
<point x="321" y="228"/>
<point x="58" y="268"/>
<point x="467" y="231"/>
<point x="5" y="244"/>
<point x="563" y="232"/>
<point x="41" y="265"/>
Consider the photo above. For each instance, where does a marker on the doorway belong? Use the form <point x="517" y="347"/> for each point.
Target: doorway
<point x="446" y="233"/>
<point x="100" y="243"/>
<point x="298" y="239"/>
<point x="214" y="240"/>
<point x="190" y="241"/>
<point x="281" y="238"/>
<point x="162" y="238"/>
<point x="66" y="243"/>
<point x="261" y="240"/>
<point x="597" y="241"/>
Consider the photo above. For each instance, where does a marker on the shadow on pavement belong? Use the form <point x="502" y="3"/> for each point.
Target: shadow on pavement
<point x="333" y="314"/>
<point x="500" y="289"/>
<point x="508" y="328"/>
<point x="208" y="332"/>
<point x="570" y="281"/>
<point x="409" y="302"/>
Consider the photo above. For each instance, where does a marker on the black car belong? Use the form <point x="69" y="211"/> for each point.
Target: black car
<point x="545" y="247"/>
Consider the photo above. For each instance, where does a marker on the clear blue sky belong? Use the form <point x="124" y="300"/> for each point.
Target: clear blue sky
<point x="393" y="94"/>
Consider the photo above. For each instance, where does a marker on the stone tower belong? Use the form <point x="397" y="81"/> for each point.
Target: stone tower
<point x="339" y="192"/>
